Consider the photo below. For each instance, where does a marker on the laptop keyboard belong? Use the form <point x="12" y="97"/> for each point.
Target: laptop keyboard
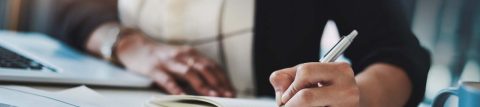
<point x="10" y="59"/>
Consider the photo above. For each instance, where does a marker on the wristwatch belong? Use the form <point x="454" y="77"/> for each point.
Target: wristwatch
<point x="109" y="41"/>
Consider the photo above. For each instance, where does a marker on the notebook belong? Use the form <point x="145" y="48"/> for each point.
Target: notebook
<point x="203" y="101"/>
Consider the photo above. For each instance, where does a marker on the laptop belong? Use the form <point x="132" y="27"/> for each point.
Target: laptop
<point x="38" y="58"/>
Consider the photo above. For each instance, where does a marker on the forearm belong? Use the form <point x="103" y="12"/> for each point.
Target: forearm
<point x="383" y="85"/>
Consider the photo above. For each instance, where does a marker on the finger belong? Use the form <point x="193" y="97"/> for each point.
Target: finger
<point x="189" y="74"/>
<point x="166" y="81"/>
<point x="223" y="83"/>
<point x="203" y="67"/>
<point x="188" y="56"/>
<point x="193" y="77"/>
<point x="310" y="97"/>
<point x="325" y="96"/>
<point x="310" y="74"/>
<point x="226" y="84"/>
<point x="209" y="76"/>
<point x="280" y="81"/>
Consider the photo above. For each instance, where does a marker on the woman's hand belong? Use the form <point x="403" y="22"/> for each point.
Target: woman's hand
<point x="316" y="84"/>
<point x="167" y="65"/>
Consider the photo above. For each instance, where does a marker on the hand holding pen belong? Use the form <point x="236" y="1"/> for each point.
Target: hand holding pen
<point x="318" y="83"/>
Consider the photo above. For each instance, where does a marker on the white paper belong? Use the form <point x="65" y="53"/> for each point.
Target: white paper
<point x="86" y="95"/>
<point x="17" y="96"/>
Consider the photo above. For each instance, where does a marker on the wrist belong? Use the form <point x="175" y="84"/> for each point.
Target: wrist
<point x="128" y="45"/>
<point x="123" y="35"/>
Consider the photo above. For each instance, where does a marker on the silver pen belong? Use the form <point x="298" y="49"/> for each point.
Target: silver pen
<point x="339" y="48"/>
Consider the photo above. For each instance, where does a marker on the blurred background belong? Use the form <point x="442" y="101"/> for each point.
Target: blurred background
<point x="449" y="29"/>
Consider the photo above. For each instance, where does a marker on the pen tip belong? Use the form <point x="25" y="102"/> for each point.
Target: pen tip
<point x="354" y="32"/>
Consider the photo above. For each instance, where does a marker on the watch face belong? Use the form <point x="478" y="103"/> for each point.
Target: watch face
<point x="108" y="42"/>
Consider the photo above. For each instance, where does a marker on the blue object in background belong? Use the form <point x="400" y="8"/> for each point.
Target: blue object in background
<point x="468" y="94"/>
